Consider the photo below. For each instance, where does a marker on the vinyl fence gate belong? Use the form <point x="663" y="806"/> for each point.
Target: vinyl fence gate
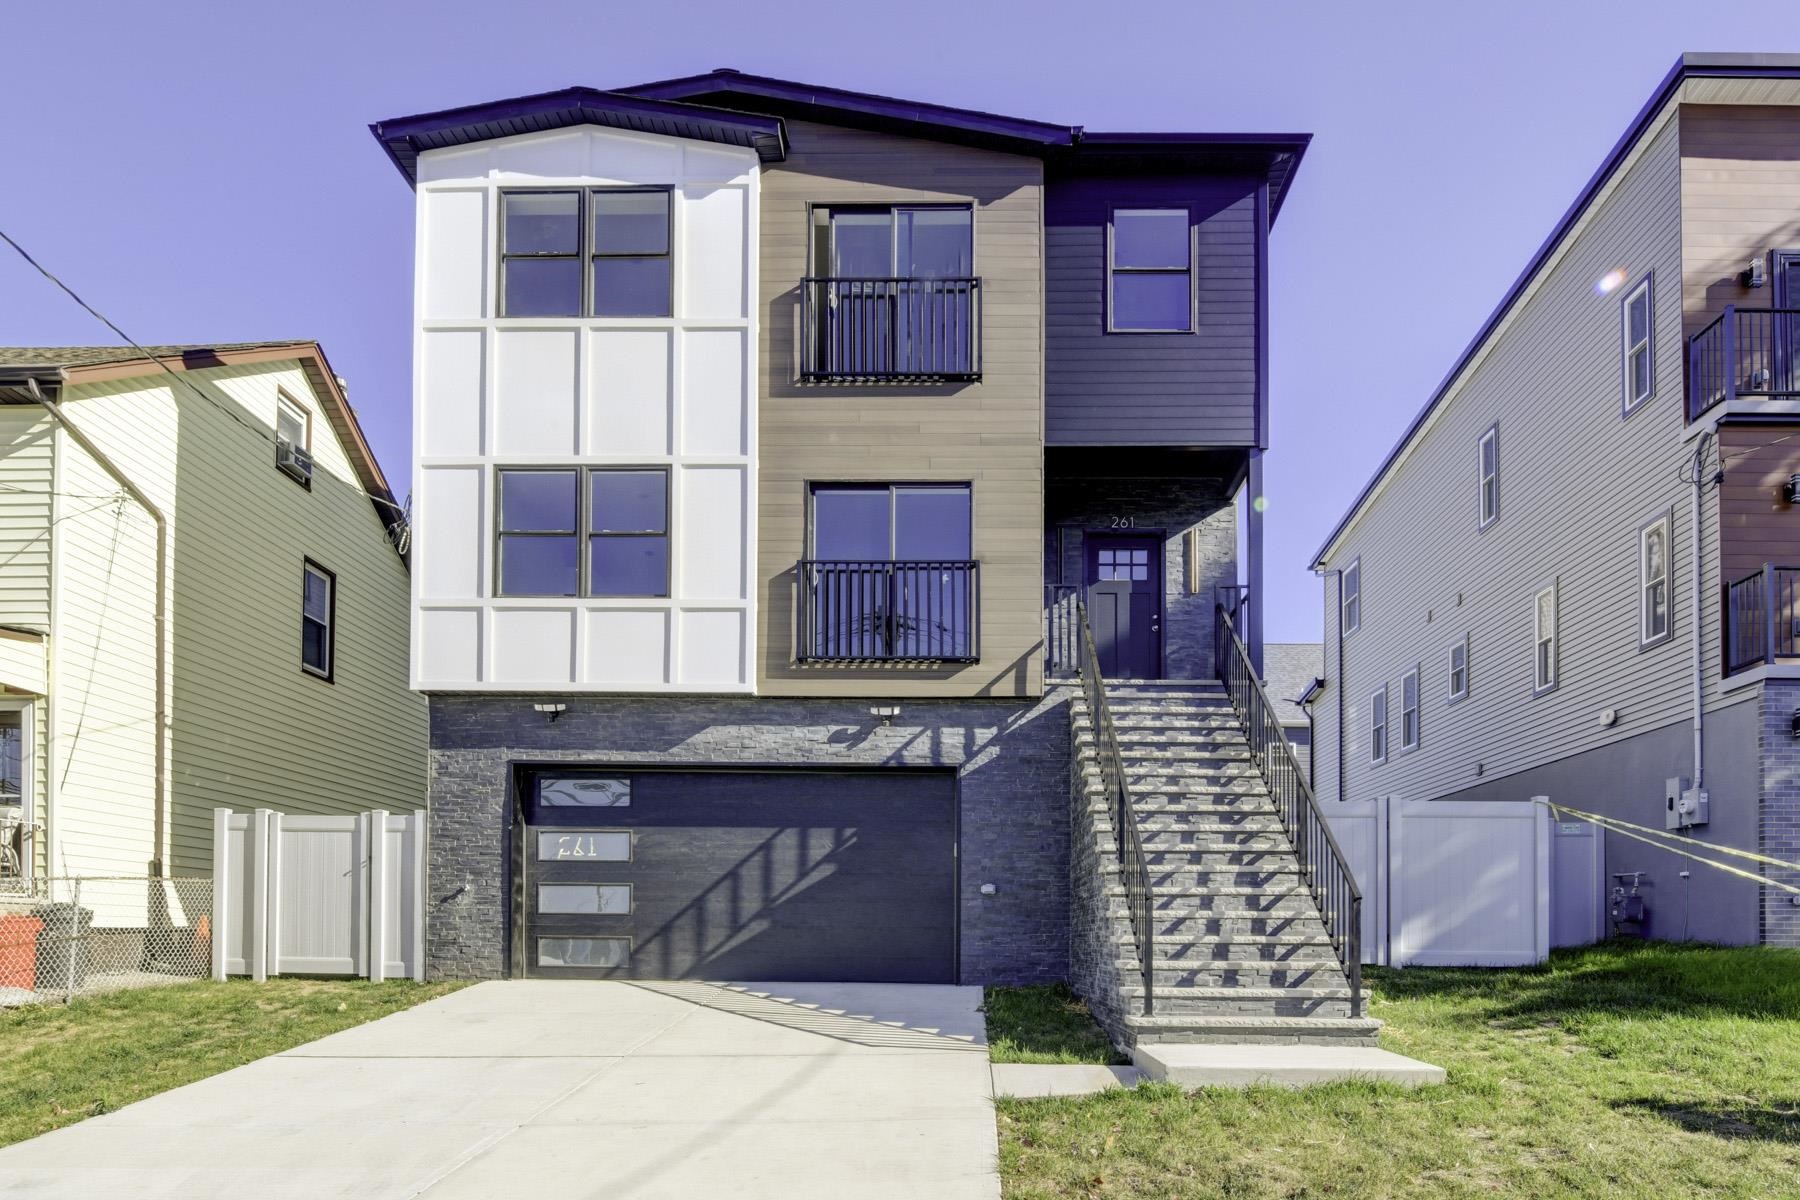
<point x="314" y="895"/>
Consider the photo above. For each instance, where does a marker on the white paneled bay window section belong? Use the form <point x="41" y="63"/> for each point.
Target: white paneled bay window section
<point x="585" y="494"/>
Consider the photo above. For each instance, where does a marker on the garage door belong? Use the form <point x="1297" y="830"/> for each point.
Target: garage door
<point x="741" y="875"/>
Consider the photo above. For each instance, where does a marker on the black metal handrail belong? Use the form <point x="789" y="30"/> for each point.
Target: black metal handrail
<point x="1744" y="352"/>
<point x="1062" y="654"/>
<point x="861" y="610"/>
<point x="1322" y="862"/>
<point x="1762" y="618"/>
<point x="1134" y="868"/>
<point x="888" y="330"/>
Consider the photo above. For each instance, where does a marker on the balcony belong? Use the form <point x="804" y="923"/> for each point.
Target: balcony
<point x="1762" y="618"/>
<point x="890" y="330"/>
<point x="889" y="612"/>
<point x="1746" y="353"/>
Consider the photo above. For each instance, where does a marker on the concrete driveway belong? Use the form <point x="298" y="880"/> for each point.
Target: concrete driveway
<point x="563" y="1089"/>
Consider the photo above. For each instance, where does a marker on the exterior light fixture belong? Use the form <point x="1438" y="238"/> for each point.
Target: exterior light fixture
<point x="1794" y="725"/>
<point x="1752" y="276"/>
<point x="1790" y="491"/>
<point x="551" y="709"/>
<point x="887" y="712"/>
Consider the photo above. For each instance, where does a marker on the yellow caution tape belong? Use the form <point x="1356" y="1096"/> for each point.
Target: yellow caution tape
<point x="1637" y="832"/>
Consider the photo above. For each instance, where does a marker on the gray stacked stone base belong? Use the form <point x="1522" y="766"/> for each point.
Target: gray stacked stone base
<point x="1093" y="940"/>
<point x="1780" y="818"/>
<point x="1011" y="757"/>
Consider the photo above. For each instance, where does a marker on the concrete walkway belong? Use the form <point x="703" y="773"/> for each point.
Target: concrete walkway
<point x="552" y="1090"/>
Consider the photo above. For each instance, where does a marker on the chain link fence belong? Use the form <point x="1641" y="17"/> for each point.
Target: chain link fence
<point x="67" y="937"/>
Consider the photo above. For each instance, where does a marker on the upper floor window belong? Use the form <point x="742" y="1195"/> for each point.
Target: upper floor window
<point x="1150" y="271"/>
<point x="318" y="620"/>
<point x="293" y="439"/>
<point x="584" y="532"/>
<point x="1635" y="333"/>
<point x="602" y="252"/>
<point x="1459" y="670"/>
<point x="1350" y="597"/>
<point x="1653" y="581"/>
<point x="1378" y="725"/>
<point x="891" y="242"/>
<point x="1409" y="710"/>
<point x="1490" y="476"/>
<point x="892" y="522"/>
<point x="1544" y="638"/>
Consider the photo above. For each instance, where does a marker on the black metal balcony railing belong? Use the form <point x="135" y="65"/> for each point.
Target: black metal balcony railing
<point x="875" y="611"/>
<point x="1744" y="352"/>
<point x="1762" y="618"/>
<point x="1062" y="631"/>
<point x="890" y="330"/>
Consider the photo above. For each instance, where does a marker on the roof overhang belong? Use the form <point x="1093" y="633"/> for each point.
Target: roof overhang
<point x="1688" y="66"/>
<point x="405" y="138"/>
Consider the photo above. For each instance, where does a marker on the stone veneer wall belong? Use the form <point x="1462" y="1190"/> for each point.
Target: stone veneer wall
<point x="1173" y="505"/>
<point x="1094" y="915"/>
<point x="1780" y="817"/>
<point x="1011" y="758"/>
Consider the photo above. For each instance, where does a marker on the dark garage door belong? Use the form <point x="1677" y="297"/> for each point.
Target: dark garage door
<point x="741" y="875"/>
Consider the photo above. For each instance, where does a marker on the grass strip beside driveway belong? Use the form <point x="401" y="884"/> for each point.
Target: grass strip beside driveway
<point x="1046" y="1023"/>
<point x="63" y="1063"/>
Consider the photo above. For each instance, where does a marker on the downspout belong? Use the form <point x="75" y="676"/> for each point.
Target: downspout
<point x="1337" y="623"/>
<point x="161" y="814"/>
<point x="1699" y="690"/>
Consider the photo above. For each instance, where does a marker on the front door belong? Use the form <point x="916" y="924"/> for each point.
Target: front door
<point x="1124" y="603"/>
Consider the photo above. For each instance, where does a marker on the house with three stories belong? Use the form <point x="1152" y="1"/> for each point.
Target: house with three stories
<point x="1576" y="574"/>
<point x="771" y="440"/>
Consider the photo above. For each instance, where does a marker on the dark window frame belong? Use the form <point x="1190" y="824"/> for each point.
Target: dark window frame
<point x="1190" y="271"/>
<point x="819" y="212"/>
<point x="584" y="253"/>
<point x="583" y="533"/>
<point x="329" y="674"/>
<point x="1647" y="286"/>
<point x="813" y="487"/>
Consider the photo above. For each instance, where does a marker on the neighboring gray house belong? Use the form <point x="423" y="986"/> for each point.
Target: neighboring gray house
<point x="1555" y="584"/>
<point x="1290" y="671"/>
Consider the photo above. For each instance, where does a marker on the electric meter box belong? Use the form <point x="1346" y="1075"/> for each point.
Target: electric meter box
<point x="1682" y="805"/>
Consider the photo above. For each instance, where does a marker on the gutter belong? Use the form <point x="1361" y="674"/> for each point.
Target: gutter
<point x="161" y="802"/>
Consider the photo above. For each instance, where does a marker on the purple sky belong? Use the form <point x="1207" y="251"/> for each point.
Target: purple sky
<point x="201" y="172"/>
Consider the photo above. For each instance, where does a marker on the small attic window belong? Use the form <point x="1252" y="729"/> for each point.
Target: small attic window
<point x="293" y="440"/>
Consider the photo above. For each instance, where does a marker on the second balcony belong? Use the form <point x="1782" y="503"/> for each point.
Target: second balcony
<point x="869" y="330"/>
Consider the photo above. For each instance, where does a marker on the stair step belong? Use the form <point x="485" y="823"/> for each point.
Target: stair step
<point x="1239" y="978"/>
<point x="1211" y="839"/>
<point x="1241" y="934"/>
<point x="1177" y="951"/>
<point x="1195" y="1027"/>
<point x="1224" y="903"/>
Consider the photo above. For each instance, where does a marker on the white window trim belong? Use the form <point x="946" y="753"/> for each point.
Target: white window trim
<point x="1378" y="729"/>
<point x="27" y="811"/>
<point x="1627" y="402"/>
<point x="1539" y="685"/>
<point x="1344" y="596"/>
<point x="1645" y="638"/>
<point x="1406" y="746"/>
<point x="300" y="411"/>
<point x="1452" y="695"/>
<point x="1491" y="436"/>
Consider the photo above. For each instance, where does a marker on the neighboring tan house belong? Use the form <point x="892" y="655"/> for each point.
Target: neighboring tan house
<point x="1556" y="584"/>
<point x="238" y="474"/>
<point x="767" y="437"/>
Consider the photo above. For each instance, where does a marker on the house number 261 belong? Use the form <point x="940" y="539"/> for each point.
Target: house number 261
<point x="1124" y="522"/>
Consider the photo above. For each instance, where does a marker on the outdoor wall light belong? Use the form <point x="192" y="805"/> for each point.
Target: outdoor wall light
<point x="551" y="709"/>
<point x="1790" y="491"/>
<point x="1752" y="276"/>
<point x="887" y="712"/>
<point x="1794" y="725"/>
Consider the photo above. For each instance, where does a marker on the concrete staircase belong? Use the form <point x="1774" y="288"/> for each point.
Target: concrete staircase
<point x="1241" y="954"/>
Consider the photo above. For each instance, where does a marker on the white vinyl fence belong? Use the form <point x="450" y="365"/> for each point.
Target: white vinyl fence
<point x="309" y="895"/>
<point x="1449" y="882"/>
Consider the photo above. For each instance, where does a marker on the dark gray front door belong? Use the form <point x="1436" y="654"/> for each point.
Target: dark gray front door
<point x="741" y="875"/>
<point x="1124" y="601"/>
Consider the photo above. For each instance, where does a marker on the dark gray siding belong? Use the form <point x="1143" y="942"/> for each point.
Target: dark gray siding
<point x="1192" y="389"/>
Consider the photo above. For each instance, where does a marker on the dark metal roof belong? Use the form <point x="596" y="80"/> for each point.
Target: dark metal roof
<point x="404" y="138"/>
<point x="1688" y="66"/>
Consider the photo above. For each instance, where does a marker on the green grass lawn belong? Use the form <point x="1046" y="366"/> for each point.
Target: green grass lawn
<point x="1043" y="1024"/>
<point x="62" y="1063"/>
<point x="1623" y="1070"/>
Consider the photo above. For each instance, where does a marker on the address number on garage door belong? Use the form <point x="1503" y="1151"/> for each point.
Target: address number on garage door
<point x="591" y="845"/>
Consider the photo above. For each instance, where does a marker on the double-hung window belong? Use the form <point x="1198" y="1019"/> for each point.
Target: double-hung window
<point x="1350" y="597"/>
<point x="1489" y="496"/>
<point x="1378" y="725"/>
<point x="1635" y="334"/>
<point x="1544" y="640"/>
<point x="293" y="440"/>
<point x="1653" y="581"/>
<point x="1409" y="710"/>
<point x="318" y="620"/>
<point x="598" y="531"/>
<point x="1459" y="670"/>
<point x="891" y="574"/>
<point x="599" y="252"/>
<point x="1150" y="271"/>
